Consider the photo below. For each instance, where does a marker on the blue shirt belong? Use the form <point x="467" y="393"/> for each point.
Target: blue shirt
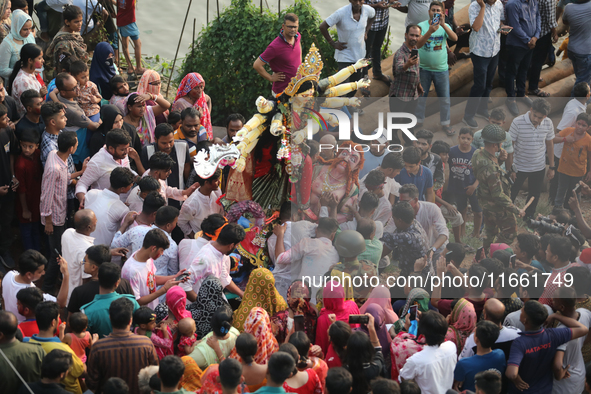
<point x="422" y="180"/>
<point x="461" y="174"/>
<point x="524" y="17"/>
<point x="270" y="390"/>
<point x="533" y="352"/>
<point x="467" y="368"/>
<point x="534" y="263"/>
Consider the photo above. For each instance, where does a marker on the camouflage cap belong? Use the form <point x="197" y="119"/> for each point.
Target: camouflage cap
<point x="493" y="134"/>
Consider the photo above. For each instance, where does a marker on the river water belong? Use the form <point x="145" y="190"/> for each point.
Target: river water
<point x="160" y="22"/>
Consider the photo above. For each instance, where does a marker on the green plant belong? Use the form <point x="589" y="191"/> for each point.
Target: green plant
<point x="386" y="46"/>
<point x="226" y="49"/>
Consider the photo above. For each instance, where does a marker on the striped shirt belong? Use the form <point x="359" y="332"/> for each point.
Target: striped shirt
<point x="120" y="355"/>
<point x="530" y="142"/>
<point x="54" y="185"/>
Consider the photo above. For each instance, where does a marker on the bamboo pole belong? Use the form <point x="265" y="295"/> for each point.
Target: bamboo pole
<point x="178" y="47"/>
<point x="261" y="6"/>
<point x="207" y="12"/>
<point x="193" y="42"/>
<point x="279" y="8"/>
<point x="217" y="2"/>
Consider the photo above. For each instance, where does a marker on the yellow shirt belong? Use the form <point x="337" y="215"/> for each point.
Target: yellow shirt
<point x="71" y="381"/>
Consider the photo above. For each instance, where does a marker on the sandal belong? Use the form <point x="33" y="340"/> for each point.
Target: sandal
<point x="539" y="93"/>
<point x="448" y="131"/>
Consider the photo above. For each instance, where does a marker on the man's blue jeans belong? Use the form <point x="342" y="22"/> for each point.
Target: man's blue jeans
<point x="484" y="73"/>
<point x="582" y="67"/>
<point x="441" y="81"/>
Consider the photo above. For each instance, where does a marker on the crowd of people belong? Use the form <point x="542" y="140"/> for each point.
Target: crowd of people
<point x="135" y="273"/>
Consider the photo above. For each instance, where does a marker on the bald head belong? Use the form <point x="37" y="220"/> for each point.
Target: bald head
<point x="8" y="326"/>
<point x="326" y="141"/>
<point x="85" y="221"/>
<point x="366" y="227"/>
<point x="494" y="311"/>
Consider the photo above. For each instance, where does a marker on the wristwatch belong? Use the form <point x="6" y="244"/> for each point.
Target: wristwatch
<point x="434" y="249"/>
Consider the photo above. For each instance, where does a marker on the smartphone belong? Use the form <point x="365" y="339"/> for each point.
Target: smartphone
<point x="480" y="253"/>
<point x="506" y="29"/>
<point x="58" y="254"/>
<point x="414" y="52"/>
<point x="512" y="260"/>
<point x="448" y="256"/>
<point x="298" y="321"/>
<point x="436" y="18"/>
<point x="183" y="276"/>
<point x="577" y="187"/>
<point x="358" y="319"/>
<point x="413" y="312"/>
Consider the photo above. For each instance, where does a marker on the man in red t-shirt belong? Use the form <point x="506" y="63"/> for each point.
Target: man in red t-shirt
<point x="283" y="55"/>
<point x="128" y="29"/>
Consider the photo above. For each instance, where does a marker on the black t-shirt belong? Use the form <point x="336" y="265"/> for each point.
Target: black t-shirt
<point x="25" y="123"/>
<point x="10" y="104"/>
<point x="8" y="146"/>
<point x="85" y="293"/>
<point x="43" y="388"/>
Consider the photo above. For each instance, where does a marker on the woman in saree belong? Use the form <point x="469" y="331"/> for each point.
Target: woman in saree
<point x="417" y="297"/>
<point x="381" y="296"/>
<point x="150" y="83"/>
<point x="191" y="94"/>
<point x="142" y="117"/>
<point x="258" y="324"/>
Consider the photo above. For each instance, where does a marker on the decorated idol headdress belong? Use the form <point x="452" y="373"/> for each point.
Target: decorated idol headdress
<point x="309" y="70"/>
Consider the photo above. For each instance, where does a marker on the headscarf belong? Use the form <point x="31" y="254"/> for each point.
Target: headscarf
<point x="260" y="292"/>
<point x="191" y="379"/>
<point x="381" y="296"/>
<point x="19" y="18"/>
<point x="188" y="83"/>
<point x="176" y="300"/>
<point x="500" y="246"/>
<point x="258" y="324"/>
<point x="210" y="382"/>
<point x="144" y="86"/>
<point x="109" y="113"/>
<point x="209" y="299"/>
<point x="379" y="316"/>
<point x="417" y="296"/>
<point x="101" y="72"/>
<point x="462" y="321"/>
<point x="301" y="306"/>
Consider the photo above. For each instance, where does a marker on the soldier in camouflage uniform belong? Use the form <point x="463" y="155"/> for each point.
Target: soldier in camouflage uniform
<point x="494" y="189"/>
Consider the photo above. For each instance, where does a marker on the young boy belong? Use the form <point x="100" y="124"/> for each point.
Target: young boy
<point x="230" y="376"/>
<point x="53" y="206"/>
<point x="485" y="358"/>
<point x="31" y="267"/>
<point x="82" y="295"/>
<point x="574" y="162"/>
<point x="280" y="367"/>
<point x="462" y="182"/>
<point x="128" y="29"/>
<point x="27" y="300"/>
<point x="89" y="97"/>
<point x="414" y="172"/>
<point x="429" y="159"/>
<point x="140" y="270"/>
<point x="201" y="204"/>
<point x="375" y="182"/>
<point x="569" y="356"/>
<point x="529" y="367"/>
<point x="160" y="165"/>
<point x="28" y="170"/>
<point x="32" y="101"/>
<point x="525" y="248"/>
<point x="145" y="186"/>
<point x="390" y="166"/>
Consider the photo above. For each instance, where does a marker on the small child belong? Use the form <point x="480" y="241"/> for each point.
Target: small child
<point x="120" y="90"/>
<point x="338" y="380"/>
<point x="27" y="300"/>
<point x="28" y="170"/>
<point x="80" y="339"/>
<point x="174" y="119"/>
<point x="188" y="341"/>
<point x="145" y="320"/>
<point x="89" y="97"/>
<point x="462" y="182"/>
<point x="230" y="376"/>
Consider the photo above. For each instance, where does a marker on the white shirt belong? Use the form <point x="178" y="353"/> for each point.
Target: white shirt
<point x="209" y="261"/>
<point x="142" y="277"/>
<point x="312" y="257"/>
<point x="188" y="250"/>
<point x="530" y="142"/>
<point x="74" y="247"/>
<point x="572" y="109"/>
<point x="506" y="334"/>
<point x="418" y="11"/>
<point x="512" y="319"/>
<point x="487" y="41"/>
<point x="10" y="287"/>
<point x="432" y="368"/>
<point x="109" y="211"/>
<point x="294" y="233"/>
<point x="573" y="357"/>
<point x="383" y="212"/>
<point x="197" y="207"/>
<point x="165" y="190"/>
<point x="98" y="172"/>
<point x="351" y="32"/>
<point x="134" y="201"/>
